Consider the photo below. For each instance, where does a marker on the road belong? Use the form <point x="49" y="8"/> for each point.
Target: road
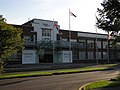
<point x="56" y="82"/>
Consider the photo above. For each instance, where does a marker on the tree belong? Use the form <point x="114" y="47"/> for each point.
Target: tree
<point x="10" y="41"/>
<point x="109" y="17"/>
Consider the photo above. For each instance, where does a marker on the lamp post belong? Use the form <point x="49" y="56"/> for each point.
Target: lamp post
<point x="96" y="40"/>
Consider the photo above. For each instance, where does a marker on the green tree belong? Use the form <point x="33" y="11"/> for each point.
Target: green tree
<point x="108" y="18"/>
<point x="10" y="41"/>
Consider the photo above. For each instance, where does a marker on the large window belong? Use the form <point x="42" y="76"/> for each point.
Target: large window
<point x="118" y="55"/>
<point x="90" y="55"/>
<point x="82" y="55"/>
<point x="98" y="55"/>
<point x="82" y="42"/>
<point x="90" y="43"/>
<point x="105" y="55"/>
<point x="105" y="43"/>
<point x="46" y="32"/>
<point x="98" y="44"/>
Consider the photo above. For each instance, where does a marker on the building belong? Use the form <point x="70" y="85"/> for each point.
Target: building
<point x="45" y="42"/>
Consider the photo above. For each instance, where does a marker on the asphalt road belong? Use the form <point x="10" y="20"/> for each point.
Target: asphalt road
<point x="56" y="82"/>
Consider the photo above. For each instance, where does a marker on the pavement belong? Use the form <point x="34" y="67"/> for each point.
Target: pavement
<point x="42" y="67"/>
<point x="57" y="82"/>
<point x="52" y="67"/>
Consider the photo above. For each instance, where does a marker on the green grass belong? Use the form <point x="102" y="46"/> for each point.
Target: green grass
<point x="99" y="84"/>
<point x="109" y="65"/>
<point x="52" y="72"/>
<point x="103" y="84"/>
<point x="86" y="69"/>
<point x="20" y="75"/>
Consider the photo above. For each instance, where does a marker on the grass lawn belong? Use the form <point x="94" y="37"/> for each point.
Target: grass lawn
<point x="103" y="84"/>
<point x="51" y="72"/>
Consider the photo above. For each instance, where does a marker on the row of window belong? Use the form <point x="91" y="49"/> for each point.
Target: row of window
<point x="90" y="43"/>
<point x="99" y="55"/>
<point x="90" y="55"/>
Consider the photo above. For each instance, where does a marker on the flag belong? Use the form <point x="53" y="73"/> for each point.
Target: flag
<point x="72" y="14"/>
<point x="56" y="26"/>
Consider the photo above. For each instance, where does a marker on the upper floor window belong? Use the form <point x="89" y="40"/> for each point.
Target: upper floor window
<point x="90" y="43"/>
<point x="105" y="44"/>
<point x="46" y="32"/>
<point x="98" y="44"/>
<point x="82" y="42"/>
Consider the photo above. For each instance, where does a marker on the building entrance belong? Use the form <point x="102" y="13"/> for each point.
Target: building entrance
<point x="46" y="58"/>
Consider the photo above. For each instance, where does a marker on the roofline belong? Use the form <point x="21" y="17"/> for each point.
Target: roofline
<point x="38" y="19"/>
<point x="83" y="32"/>
<point x="44" y="20"/>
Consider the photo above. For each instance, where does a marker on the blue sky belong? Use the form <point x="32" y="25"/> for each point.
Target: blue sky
<point x="19" y="11"/>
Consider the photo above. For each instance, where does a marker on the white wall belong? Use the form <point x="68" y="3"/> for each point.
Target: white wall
<point x="67" y="56"/>
<point x="63" y="57"/>
<point x="29" y="57"/>
<point x="38" y="24"/>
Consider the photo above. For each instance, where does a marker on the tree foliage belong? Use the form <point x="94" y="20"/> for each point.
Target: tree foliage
<point x="10" y="39"/>
<point x="109" y="17"/>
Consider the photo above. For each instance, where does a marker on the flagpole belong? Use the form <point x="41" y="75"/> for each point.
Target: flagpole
<point x="53" y="42"/>
<point x="69" y="37"/>
<point x="96" y="41"/>
<point x="96" y="46"/>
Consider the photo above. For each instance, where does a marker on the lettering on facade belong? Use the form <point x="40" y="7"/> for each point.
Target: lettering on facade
<point x="46" y="25"/>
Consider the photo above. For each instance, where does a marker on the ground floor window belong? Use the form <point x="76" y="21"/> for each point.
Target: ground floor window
<point x="82" y="55"/>
<point x="112" y="55"/>
<point x="98" y="55"/>
<point x="91" y="55"/>
<point x="105" y="55"/>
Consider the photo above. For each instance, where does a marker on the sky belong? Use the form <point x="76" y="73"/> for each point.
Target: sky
<point x="20" y="11"/>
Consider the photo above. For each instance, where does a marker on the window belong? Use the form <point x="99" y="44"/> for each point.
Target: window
<point x="98" y="44"/>
<point x="105" y="43"/>
<point x="90" y="55"/>
<point x="98" y="55"/>
<point x="90" y="43"/>
<point x="82" y="42"/>
<point x="73" y="40"/>
<point x="46" y="32"/>
<point x="82" y="55"/>
<point x="118" y="55"/>
<point x="105" y="55"/>
<point x="112" y="55"/>
<point x="64" y="39"/>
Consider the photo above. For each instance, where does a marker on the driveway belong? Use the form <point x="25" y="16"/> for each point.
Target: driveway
<point x="56" y="82"/>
